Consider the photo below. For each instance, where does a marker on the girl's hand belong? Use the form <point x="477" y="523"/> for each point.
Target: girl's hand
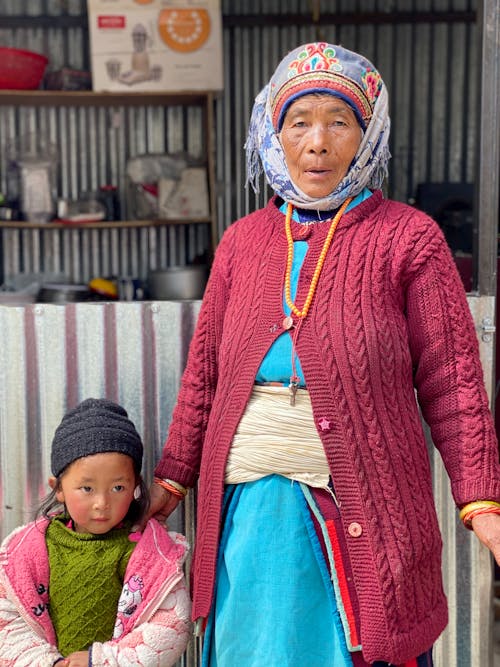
<point x="77" y="659"/>
<point x="487" y="529"/>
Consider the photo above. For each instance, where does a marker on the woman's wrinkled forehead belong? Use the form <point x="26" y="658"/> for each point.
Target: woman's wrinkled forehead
<point x="324" y="68"/>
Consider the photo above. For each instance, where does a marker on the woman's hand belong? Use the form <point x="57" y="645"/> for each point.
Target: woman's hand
<point x="487" y="529"/>
<point x="78" y="659"/>
<point x="162" y="505"/>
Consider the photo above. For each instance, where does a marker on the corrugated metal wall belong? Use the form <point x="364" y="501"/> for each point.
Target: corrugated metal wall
<point x="94" y="143"/>
<point x="425" y="49"/>
<point x="81" y="255"/>
<point x="53" y="356"/>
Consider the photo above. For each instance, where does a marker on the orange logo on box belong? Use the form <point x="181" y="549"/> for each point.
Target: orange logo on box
<point x="143" y="2"/>
<point x="111" y="21"/>
<point x="184" y="30"/>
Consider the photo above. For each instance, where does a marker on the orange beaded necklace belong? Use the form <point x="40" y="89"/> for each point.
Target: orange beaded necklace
<point x="288" y="322"/>
<point x="321" y="260"/>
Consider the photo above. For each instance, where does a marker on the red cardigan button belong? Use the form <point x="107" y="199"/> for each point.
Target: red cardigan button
<point x="354" y="529"/>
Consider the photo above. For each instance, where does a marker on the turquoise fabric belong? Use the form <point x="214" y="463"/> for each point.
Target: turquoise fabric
<point x="277" y="364"/>
<point x="268" y="534"/>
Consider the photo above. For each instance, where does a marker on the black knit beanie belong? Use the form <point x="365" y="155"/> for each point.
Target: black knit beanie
<point x="94" y="426"/>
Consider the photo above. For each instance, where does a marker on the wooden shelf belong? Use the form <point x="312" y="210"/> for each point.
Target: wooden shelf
<point x="103" y="224"/>
<point x="90" y="98"/>
<point x="46" y="21"/>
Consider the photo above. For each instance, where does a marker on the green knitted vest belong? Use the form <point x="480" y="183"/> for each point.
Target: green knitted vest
<point x="86" y="578"/>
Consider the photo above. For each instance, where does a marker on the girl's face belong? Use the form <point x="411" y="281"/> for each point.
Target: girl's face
<point x="97" y="491"/>
<point x="320" y="137"/>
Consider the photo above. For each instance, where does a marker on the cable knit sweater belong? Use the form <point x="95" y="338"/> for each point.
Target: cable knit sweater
<point x="389" y="316"/>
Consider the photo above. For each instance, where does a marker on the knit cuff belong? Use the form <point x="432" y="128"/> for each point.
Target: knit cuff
<point x="169" y="468"/>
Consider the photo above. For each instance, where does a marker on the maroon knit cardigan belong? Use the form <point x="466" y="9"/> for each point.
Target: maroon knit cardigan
<point x="389" y="316"/>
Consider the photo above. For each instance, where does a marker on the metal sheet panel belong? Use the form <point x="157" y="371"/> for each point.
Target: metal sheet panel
<point x="53" y="356"/>
<point x="429" y="67"/>
<point x="80" y="255"/>
<point x="467" y="565"/>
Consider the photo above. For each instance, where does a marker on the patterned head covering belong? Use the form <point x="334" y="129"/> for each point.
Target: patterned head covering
<point x="320" y="68"/>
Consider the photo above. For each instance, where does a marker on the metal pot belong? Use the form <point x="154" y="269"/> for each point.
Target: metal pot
<point x="178" y="283"/>
<point x="62" y="293"/>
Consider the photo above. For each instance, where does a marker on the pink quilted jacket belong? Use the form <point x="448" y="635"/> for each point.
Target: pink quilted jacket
<point x="154" y="631"/>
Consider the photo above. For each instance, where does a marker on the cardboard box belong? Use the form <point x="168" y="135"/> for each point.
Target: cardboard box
<point x="155" y="45"/>
<point x="184" y="198"/>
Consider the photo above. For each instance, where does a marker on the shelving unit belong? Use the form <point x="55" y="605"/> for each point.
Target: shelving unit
<point x="55" y="98"/>
<point x="104" y="224"/>
<point x="91" y="98"/>
<point x="13" y="231"/>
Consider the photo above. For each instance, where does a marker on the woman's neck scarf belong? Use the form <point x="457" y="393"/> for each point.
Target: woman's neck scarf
<point x="325" y="69"/>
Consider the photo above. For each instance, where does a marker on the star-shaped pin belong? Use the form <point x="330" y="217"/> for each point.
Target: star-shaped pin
<point x="324" y="424"/>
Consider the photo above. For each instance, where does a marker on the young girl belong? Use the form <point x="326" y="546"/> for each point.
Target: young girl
<point x="77" y="588"/>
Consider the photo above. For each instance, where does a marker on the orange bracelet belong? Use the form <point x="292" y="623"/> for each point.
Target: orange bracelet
<point x="170" y="488"/>
<point x="477" y="504"/>
<point x="467" y="518"/>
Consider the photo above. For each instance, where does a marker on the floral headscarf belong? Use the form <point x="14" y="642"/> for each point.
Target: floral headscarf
<point x="320" y="68"/>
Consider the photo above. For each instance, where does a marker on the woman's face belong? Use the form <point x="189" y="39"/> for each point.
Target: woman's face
<point x="320" y="137"/>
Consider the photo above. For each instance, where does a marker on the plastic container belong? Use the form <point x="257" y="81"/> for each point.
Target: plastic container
<point x="84" y="210"/>
<point x="21" y="69"/>
<point x="31" y="175"/>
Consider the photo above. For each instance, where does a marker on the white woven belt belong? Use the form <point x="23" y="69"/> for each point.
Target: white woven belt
<point x="274" y="437"/>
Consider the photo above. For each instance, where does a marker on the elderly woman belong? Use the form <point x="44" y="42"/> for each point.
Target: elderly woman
<point x="317" y="540"/>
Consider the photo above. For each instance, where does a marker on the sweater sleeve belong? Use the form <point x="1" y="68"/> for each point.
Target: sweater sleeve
<point x="447" y="371"/>
<point x="20" y="646"/>
<point x="159" y="641"/>
<point x="181" y="454"/>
